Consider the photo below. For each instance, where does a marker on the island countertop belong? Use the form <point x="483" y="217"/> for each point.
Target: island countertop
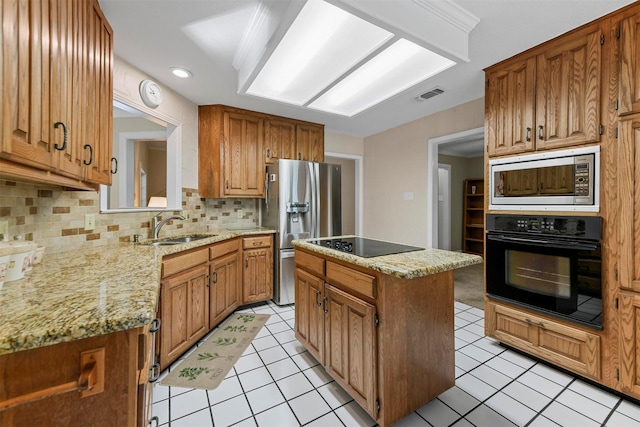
<point x="81" y="294"/>
<point x="406" y="265"/>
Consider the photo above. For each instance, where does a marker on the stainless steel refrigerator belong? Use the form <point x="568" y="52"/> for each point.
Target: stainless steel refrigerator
<point x="303" y="200"/>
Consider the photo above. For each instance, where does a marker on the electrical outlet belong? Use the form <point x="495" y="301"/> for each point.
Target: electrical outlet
<point x="4" y="229"/>
<point x="239" y="213"/>
<point x="89" y="222"/>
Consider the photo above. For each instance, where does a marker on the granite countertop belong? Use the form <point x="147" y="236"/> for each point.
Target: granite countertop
<point x="407" y="265"/>
<point x="75" y="295"/>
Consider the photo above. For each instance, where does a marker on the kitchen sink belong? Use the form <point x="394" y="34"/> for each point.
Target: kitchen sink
<point x="179" y="240"/>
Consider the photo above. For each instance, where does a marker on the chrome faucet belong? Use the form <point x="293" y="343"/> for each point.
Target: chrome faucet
<point x="157" y="225"/>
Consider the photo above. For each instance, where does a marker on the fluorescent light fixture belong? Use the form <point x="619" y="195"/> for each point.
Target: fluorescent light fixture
<point x="181" y="72"/>
<point x="395" y="69"/>
<point x="321" y="45"/>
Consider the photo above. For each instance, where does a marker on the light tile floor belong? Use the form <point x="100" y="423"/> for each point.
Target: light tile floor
<point x="276" y="383"/>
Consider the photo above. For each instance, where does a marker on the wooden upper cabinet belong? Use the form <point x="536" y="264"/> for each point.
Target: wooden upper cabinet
<point x="57" y="91"/>
<point x="547" y="99"/>
<point x="629" y="69"/>
<point x="568" y="86"/>
<point x="310" y="142"/>
<point x="510" y="108"/>
<point x="25" y="119"/>
<point x="230" y="152"/>
<point x="243" y="156"/>
<point x="280" y="140"/>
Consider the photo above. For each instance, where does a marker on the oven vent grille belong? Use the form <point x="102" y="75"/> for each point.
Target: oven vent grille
<point x="429" y="94"/>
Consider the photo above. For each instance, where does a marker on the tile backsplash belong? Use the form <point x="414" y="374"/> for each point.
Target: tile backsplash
<point x="55" y="218"/>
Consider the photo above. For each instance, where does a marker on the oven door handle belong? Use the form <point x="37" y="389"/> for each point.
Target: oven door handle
<point x="547" y="243"/>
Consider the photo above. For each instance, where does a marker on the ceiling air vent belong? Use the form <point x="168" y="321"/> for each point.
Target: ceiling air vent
<point x="430" y="94"/>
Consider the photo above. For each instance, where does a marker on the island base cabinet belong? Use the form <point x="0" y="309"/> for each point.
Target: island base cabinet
<point x="567" y="347"/>
<point x="309" y="320"/>
<point x="387" y="341"/>
<point x="43" y="368"/>
<point x="350" y="346"/>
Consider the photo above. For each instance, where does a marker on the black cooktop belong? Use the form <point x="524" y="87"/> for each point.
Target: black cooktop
<point x="366" y="248"/>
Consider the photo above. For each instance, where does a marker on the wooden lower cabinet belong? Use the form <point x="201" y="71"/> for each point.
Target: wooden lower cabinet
<point x="309" y="318"/>
<point x="630" y="343"/>
<point x="350" y="345"/>
<point x="115" y="400"/>
<point x="184" y="304"/>
<point x="387" y="341"/>
<point x="567" y="347"/>
<point x="257" y="276"/>
<point x="225" y="294"/>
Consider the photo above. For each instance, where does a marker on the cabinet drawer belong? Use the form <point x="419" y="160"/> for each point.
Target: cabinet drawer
<point x="184" y="261"/>
<point x="563" y="345"/>
<point x="352" y="279"/>
<point x="312" y="264"/>
<point x="219" y="249"/>
<point x="256" y="242"/>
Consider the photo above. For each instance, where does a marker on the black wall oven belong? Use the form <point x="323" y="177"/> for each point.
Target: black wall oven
<point x="550" y="264"/>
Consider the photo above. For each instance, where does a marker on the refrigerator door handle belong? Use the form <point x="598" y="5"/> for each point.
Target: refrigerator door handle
<point x="266" y="190"/>
<point x="314" y="199"/>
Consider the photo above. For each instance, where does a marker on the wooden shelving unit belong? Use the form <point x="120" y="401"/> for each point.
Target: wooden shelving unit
<point x="473" y="216"/>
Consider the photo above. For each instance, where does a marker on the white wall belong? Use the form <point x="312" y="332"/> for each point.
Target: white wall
<point x="395" y="163"/>
<point x="126" y="80"/>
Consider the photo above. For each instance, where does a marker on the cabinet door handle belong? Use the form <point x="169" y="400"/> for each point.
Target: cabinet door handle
<point x="246" y="263"/>
<point x="324" y="305"/>
<point x="215" y="277"/>
<point x="528" y="137"/>
<point x="227" y="184"/>
<point x="318" y="293"/>
<point x="540" y="136"/>
<point x="114" y="170"/>
<point x="90" y="155"/>
<point x="154" y="373"/>
<point x="268" y="153"/>
<point x="208" y="281"/>
<point x="64" y="141"/>
<point x="299" y="156"/>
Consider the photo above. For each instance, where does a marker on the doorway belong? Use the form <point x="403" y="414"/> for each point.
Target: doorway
<point x="434" y="145"/>
<point x="351" y="178"/>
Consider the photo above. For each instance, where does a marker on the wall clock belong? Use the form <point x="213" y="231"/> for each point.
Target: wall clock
<point x="151" y="93"/>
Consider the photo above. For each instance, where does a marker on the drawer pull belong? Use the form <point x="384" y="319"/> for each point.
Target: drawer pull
<point x="91" y="375"/>
<point x="155" y="325"/>
<point x="257" y="243"/>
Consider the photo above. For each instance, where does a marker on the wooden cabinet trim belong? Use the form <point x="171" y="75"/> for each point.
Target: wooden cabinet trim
<point x="311" y="263"/>
<point x="183" y="261"/>
<point x="359" y="282"/>
<point x="223" y="248"/>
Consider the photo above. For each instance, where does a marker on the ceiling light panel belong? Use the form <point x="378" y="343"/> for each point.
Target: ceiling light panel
<point x="399" y="67"/>
<point x="322" y="44"/>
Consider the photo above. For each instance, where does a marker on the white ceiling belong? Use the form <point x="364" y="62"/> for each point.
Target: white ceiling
<point x="155" y="35"/>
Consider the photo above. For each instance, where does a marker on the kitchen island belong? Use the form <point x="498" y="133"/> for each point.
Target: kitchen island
<point x="381" y="326"/>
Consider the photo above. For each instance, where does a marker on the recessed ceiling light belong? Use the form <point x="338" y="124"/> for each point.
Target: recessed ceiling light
<point x="181" y="72"/>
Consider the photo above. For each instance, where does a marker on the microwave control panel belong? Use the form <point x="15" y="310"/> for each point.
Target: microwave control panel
<point x="582" y="179"/>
